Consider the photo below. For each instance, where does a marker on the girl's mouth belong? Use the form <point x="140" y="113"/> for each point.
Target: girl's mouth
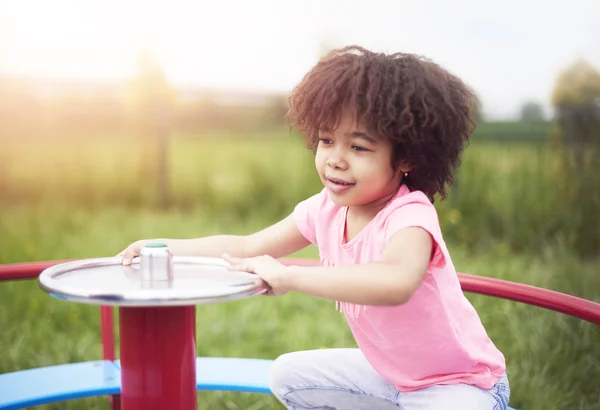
<point x="338" y="185"/>
<point x="339" y="181"/>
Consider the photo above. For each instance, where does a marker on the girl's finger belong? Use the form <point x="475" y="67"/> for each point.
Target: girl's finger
<point x="240" y="267"/>
<point x="128" y="256"/>
<point x="230" y="259"/>
<point x="130" y="252"/>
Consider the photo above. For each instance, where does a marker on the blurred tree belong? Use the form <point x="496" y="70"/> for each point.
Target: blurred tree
<point x="532" y="112"/>
<point x="149" y="91"/>
<point x="151" y="102"/>
<point x="576" y="99"/>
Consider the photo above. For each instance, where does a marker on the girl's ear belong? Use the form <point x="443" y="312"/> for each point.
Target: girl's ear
<point x="404" y="167"/>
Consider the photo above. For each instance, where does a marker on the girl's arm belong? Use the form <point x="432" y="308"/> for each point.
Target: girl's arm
<point x="277" y="240"/>
<point x="390" y="281"/>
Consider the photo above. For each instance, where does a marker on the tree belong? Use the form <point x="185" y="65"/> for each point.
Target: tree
<point x="576" y="99"/>
<point x="577" y="85"/>
<point x="532" y="112"/>
<point x="151" y="96"/>
<point x="152" y="102"/>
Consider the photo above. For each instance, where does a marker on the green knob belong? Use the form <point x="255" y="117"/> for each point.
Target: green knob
<point x="156" y="245"/>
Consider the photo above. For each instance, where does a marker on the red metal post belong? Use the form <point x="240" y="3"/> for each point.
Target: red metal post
<point x="107" y="332"/>
<point x="158" y="358"/>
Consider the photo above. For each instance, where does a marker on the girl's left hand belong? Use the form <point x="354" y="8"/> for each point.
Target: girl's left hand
<point x="265" y="267"/>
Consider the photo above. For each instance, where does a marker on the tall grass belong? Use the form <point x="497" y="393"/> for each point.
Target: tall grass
<point x="552" y="359"/>
<point x="212" y="172"/>
<point x="517" y="196"/>
<point x="511" y="216"/>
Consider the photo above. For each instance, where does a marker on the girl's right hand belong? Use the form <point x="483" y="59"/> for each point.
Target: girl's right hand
<point x="132" y="251"/>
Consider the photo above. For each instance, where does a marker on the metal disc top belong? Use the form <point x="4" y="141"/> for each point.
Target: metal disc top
<point x="190" y="281"/>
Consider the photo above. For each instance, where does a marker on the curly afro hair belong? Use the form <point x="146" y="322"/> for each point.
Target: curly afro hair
<point x="422" y="109"/>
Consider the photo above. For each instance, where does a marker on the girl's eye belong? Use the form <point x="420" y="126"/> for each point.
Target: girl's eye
<point x="324" y="141"/>
<point x="359" y="149"/>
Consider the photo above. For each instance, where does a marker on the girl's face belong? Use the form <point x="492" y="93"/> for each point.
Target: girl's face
<point x="355" y="166"/>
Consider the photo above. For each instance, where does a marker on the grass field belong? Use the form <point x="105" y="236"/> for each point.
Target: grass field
<point x="518" y="196"/>
<point x="82" y="200"/>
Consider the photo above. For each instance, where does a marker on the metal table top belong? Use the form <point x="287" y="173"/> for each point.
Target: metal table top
<point x="105" y="281"/>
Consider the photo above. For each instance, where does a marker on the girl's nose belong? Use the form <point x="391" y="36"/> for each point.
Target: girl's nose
<point x="335" y="160"/>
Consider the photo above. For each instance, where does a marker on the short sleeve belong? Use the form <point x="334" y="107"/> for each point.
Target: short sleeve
<point x="422" y="215"/>
<point x="306" y="213"/>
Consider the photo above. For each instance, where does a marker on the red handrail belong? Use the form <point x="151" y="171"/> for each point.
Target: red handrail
<point x="31" y="270"/>
<point x="531" y="295"/>
<point x="28" y="270"/>
<point x="518" y="292"/>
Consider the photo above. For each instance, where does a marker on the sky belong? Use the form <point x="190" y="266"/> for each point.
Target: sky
<point x="510" y="52"/>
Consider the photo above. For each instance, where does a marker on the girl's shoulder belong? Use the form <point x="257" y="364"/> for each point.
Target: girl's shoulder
<point x="408" y="201"/>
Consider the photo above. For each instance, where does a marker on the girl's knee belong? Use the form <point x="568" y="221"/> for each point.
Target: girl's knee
<point x="280" y="373"/>
<point x="287" y="372"/>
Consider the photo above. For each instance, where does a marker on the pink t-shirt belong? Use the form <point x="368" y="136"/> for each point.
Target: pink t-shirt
<point x="434" y="338"/>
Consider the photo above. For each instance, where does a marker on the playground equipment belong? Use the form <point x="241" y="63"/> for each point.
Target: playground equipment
<point x="160" y="311"/>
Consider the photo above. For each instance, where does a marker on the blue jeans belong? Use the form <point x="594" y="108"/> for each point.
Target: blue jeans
<point x="336" y="379"/>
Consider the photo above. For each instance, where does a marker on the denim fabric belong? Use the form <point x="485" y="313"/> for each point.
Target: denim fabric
<point x="336" y="379"/>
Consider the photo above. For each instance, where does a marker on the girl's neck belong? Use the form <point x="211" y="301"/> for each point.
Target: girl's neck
<point x="370" y="210"/>
<point x="358" y="217"/>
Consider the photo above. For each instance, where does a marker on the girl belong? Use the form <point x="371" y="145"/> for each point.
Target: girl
<point x="387" y="131"/>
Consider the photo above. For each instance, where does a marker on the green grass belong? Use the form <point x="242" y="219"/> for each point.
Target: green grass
<point x="206" y="171"/>
<point x="519" y="196"/>
<point x="553" y="360"/>
<point x="516" y="214"/>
